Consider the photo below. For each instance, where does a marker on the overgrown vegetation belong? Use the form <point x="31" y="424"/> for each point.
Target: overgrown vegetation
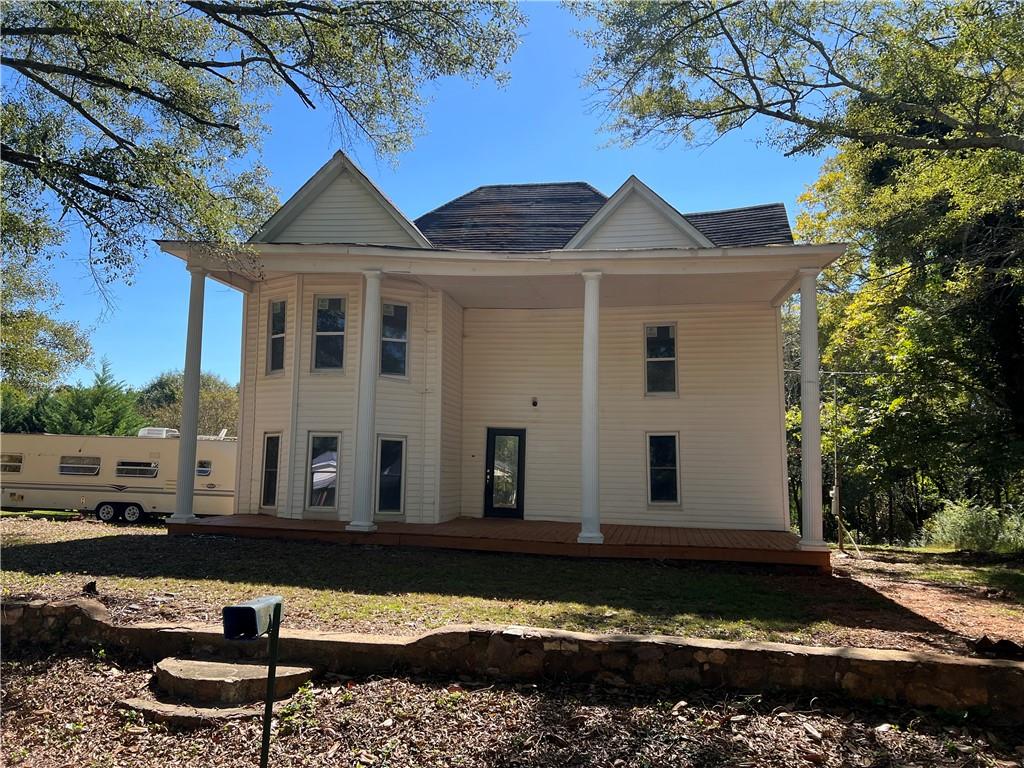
<point x="975" y="526"/>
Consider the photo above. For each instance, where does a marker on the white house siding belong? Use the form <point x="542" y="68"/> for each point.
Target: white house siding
<point x="637" y="224"/>
<point x="510" y="357"/>
<point x="268" y="397"/>
<point x="344" y="212"/>
<point x="728" y="413"/>
<point x="450" y="496"/>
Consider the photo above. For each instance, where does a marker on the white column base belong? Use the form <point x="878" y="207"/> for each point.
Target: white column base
<point x="181" y="519"/>
<point x="590" y="538"/>
<point x="359" y="526"/>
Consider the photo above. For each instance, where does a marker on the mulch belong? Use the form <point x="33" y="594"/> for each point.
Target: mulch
<point x="61" y="712"/>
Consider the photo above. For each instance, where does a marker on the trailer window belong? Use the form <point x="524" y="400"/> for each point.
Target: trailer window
<point x="204" y="468"/>
<point x="137" y="468"/>
<point x="10" y="462"/>
<point x="79" y="465"/>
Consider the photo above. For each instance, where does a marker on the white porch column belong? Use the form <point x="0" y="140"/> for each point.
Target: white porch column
<point x="366" y="437"/>
<point x="810" y="417"/>
<point x="186" y="484"/>
<point x="590" y="529"/>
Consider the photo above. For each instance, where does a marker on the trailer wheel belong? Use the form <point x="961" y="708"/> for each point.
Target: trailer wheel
<point x="106" y="512"/>
<point x="133" y="513"/>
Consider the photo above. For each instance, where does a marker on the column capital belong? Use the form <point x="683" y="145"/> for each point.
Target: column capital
<point x="196" y="269"/>
<point x="591" y="275"/>
<point x="372" y="274"/>
<point x="810" y="272"/>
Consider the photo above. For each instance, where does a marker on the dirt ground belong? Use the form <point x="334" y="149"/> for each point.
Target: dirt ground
<point x="60" y="712"/>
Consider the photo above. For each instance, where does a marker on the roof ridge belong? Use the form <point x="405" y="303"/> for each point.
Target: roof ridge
<point x="738" y="208"/>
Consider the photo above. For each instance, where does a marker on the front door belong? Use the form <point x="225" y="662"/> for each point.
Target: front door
<point x="503" y="482"/>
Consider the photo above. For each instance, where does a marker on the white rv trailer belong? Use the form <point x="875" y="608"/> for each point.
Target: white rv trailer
<point x="124" y="478"/>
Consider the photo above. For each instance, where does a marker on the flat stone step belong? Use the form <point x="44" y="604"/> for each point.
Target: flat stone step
<point x="184" y="716"/>
<point x="219" y="682"/>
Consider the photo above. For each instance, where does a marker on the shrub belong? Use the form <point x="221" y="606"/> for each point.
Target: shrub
<point x="968" y="524"/>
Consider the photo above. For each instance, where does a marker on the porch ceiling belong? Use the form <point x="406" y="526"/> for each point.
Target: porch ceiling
<point x="559" y="291"/>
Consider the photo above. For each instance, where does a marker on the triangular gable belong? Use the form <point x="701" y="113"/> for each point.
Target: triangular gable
<point x="340" y="204"/>
<point x="636" y="217"/>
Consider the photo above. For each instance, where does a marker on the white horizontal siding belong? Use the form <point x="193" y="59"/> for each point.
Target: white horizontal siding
<point x="635" y="223"/>
<point x="727" y="414"/>
<point x="344" y="212"/>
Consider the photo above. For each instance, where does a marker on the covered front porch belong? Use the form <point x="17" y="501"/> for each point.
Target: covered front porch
<point x="530" y="537"/>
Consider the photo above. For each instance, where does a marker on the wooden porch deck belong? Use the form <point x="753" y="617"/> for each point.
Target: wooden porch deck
<point x="531" y="537"/>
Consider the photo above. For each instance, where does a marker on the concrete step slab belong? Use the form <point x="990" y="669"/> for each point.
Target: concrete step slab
<point x="185" y="716"/>
<point x="218" y="682"/>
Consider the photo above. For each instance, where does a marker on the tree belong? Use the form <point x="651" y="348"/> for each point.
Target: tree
<point x="36" y="349"/>
<point x="159" y="402"/>
<point x="134" y="118"/>
<point x="920" y="75"/>
<point x="105" y="408"/>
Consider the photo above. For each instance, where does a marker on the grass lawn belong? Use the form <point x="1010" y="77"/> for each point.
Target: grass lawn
<point x="40" y="514"/>
<point x="143" y="574"/>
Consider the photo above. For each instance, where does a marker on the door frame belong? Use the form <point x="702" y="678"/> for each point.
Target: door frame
<point x="489" y="508"/>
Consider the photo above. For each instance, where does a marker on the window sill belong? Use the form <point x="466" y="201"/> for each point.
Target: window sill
<point x="661" y="395"/>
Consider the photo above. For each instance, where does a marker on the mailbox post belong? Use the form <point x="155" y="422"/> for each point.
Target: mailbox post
<point x="250" y="621"/>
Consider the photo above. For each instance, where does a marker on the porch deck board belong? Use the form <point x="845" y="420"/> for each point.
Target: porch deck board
<point x="530" y="537"/>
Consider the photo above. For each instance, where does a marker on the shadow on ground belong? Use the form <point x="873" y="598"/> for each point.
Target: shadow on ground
<point x="582" y="593"/>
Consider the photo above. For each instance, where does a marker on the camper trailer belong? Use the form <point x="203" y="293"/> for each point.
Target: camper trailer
<point x="117" y="478"/>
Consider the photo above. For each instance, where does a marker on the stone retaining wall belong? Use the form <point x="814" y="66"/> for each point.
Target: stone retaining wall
<point x="527" y="654"/>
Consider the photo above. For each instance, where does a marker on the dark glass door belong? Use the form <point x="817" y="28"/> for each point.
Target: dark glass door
<point x="503" y="483"/>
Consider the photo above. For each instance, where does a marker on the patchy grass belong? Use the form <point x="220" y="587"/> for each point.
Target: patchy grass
<point x="41" y="514"/>
<point x="142" y="574"/>
<point x="60" y="711"/>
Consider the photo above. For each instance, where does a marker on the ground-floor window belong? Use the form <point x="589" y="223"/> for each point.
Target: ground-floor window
<point x="271" y="456"/>
<point x="391" y="474"/>
<point x="663" y="468"/>
<point x="323" y="471"/>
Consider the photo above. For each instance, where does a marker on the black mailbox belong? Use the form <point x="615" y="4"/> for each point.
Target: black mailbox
<point x="252" y="619"/>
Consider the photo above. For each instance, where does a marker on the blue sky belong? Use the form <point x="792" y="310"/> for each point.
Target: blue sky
<point x="539" y="127"/>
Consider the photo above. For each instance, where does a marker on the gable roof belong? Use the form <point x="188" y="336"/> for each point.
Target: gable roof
<point x="308" y="192"/>
<point x="633" y="186"/>
<point x="513" y="217"/>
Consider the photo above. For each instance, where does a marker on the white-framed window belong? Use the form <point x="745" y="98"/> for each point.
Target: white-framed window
<point x="204" y="468"/>
<point x="276" y="321"/>
<point x="79" y="465"/>
<point x="663" y="468"/>
<point x="660" y="358"/>
<point x="271" y="458"/>
<point x="11" y="462"/>
<point x="328" y="333"/>
<point x="137" y="469"/>
<point x="322" y="470"/>
<point x="394" y="340"/>
<point x="390" y="474"/>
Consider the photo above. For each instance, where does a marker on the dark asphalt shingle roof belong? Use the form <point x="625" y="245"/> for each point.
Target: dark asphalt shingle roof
<point x="754" y="225"/>
<point x="512" y="217"/>
<point x="539" y="217"/>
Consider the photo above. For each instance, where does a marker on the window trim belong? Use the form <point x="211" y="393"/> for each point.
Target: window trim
<point x="647" y="470"/>
<point x="154" y="464"/>
<point x="313" y="368"/>
<point x="308" y="469"/>
<point x="277" y="471"/>
<point x="8" y="461"/>
<point x="60" y="465"/>
<point x="675" y="360"/>
<point x="271" y="336"/>
<point x="406" y="341"/>
<point x="389" y="514"/>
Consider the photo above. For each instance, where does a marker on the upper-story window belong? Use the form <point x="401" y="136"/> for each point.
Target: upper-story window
<point x="394" y="344"/>
<point x="660" y="359"/>
<point x="275" y="337"/>
<point x="329" y="333"/>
